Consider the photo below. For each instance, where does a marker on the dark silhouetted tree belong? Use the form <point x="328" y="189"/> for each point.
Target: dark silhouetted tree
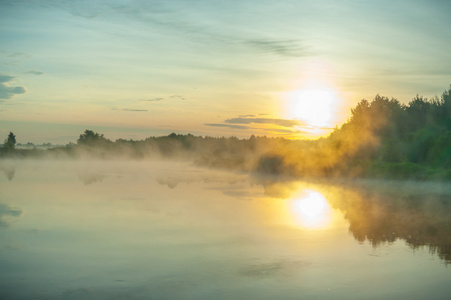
<point x="90" y="137"/>
<point x="10" y="142"/>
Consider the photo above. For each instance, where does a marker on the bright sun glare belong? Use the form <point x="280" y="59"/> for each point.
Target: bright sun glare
<point x="312" y="209"/>
<point x="313" y="106"/>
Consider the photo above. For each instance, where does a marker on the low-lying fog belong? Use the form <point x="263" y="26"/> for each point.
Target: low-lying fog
<point x="162" y="230"/>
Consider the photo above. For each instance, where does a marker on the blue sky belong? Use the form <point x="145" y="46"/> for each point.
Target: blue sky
<point x="132" y="69"/>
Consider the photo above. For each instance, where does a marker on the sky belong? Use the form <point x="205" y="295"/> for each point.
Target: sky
<point x="133" y="69"/>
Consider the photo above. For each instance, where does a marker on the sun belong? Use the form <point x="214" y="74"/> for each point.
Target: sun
<point x="315" y="107"/>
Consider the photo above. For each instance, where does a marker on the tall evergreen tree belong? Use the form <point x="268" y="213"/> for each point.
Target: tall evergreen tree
<point x="10" y="142"/>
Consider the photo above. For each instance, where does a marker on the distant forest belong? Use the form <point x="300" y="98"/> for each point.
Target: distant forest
<point x="381" y="139"/>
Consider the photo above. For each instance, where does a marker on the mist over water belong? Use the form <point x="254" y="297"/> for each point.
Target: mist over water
<point x="88" y="229"/>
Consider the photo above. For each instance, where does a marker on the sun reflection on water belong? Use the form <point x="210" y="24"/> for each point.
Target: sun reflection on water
<point x="311" y="210"/>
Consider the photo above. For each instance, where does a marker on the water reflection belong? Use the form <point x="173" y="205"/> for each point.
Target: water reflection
<point x="91" y="177"/>
<point x="6" y="212"/>
<point x="381" y="216"/>
<point x="142" y="230"/>
<point x="311" y="209"/>
<point x="9" y="171"/>
<point x="380" y="213"/>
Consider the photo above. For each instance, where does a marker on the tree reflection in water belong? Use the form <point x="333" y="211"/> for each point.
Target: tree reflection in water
<point x="420" y="219"/>
<point x="383" y="212"/>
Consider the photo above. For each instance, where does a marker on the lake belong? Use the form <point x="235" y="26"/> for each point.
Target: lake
<point x="171" y="230"/>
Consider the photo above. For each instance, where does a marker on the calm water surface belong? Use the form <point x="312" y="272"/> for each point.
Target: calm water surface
<point x="153" y="230"/>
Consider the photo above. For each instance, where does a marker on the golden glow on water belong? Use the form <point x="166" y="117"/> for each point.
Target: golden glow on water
<point x="303" y="205"/>
<point x="311" y="210"/>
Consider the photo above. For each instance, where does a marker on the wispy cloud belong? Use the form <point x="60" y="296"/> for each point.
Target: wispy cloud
<point x="6" y="91"/>
<point x="177" y="97"/>
<point x="167" y="15"/>
<point x="137" y="110"/>
<point x="153" y="99"/>
<point x="279" y="122"/>
<point x="158" y="99"/>
<point x="18" y="55"/>
<point x="284" y="131"/>
<point x="291" y="126"/>
<point x="288" y="48"/>
<point x="34" y="73"/>
<point x="280" y="131"/>
<point x="228" y="125"/>
<point x="274" y="126"/>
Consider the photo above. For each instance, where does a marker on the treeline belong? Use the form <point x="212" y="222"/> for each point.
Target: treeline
<point x="220" y="152"/>
<point x="401" y="141"/>
<point x="382" y="138"/>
